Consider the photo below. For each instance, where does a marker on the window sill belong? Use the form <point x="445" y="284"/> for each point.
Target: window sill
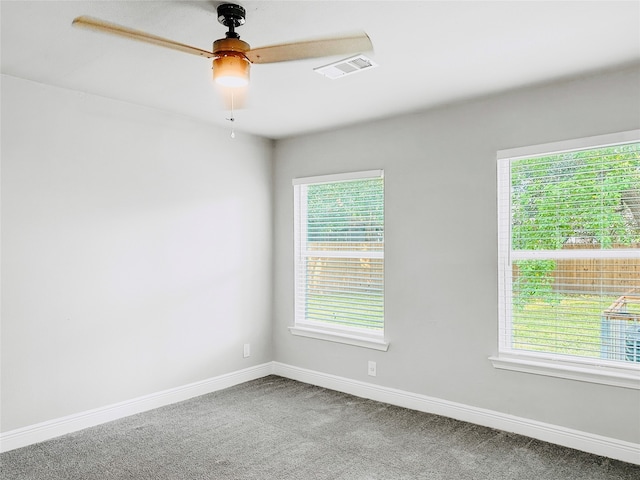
<point x="602" y="374"/>
<point x="340" y="337"/>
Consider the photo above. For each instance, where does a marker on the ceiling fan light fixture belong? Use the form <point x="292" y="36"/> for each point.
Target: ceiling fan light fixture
<point x="230" y="64"/>
<point x="231" y="70"/>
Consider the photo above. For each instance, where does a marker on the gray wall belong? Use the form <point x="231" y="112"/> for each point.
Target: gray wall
<point x="441" y="248"/>
<point x="136" y="252"/>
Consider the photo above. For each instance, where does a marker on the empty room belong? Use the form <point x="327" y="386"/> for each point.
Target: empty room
<point x="320" y="240"/>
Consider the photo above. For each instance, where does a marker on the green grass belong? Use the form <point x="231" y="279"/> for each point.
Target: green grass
<point x="365" y="310"/>
<point x="569" y="325"/>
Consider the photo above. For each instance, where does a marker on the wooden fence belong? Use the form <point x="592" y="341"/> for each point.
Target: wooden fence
<point x="590" y="275"/>
<point x="356" y="274"/>
<point x="578" y="275"/>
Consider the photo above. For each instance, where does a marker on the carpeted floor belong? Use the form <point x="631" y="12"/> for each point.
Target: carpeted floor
<point x="279" y="429"/>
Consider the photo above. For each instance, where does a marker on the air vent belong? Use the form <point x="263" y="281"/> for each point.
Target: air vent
<point x="347" y="66"/>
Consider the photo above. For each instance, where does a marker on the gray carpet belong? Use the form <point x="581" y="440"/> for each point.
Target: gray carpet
<point x="275" y="428"/>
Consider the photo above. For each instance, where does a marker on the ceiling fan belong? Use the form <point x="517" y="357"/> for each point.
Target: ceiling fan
<point x="232" y="57"/>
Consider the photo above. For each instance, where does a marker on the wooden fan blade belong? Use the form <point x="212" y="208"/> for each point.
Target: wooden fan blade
<point x="355" y="43"/>
<point x="108" y="27"/>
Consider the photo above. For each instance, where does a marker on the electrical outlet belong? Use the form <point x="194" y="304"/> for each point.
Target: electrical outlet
<point x="247" y="350"/>
<point x="371" y="370"/>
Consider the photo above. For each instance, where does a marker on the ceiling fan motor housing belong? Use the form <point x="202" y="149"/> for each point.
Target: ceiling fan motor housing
<point x="231" y="15"/>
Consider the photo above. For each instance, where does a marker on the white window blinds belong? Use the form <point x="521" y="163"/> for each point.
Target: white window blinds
<point x="339" y="251"/>
<point x="569" y="253"/>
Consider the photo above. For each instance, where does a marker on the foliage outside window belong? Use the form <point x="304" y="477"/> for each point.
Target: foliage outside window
<point x="339" y="255"/>
<point x="569" y="252"/>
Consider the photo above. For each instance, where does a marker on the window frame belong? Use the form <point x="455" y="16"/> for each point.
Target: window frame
<point x="542" y="363"/>
<point x="355" y="336"/>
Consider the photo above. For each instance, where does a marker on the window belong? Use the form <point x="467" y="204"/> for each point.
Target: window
<point x="339" y="258"/>
<point x="569" y="259"/>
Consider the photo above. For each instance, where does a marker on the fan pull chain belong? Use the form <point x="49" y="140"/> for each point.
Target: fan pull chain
<point x="232" y="118"/>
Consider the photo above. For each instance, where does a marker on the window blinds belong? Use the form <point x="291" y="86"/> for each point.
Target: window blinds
<point x="570" y="253"/>
<point x="339" y="237"/>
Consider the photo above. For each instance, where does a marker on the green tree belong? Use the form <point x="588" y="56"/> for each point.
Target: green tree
<point x="350" y="211"/>
<point x="581" y="197"/>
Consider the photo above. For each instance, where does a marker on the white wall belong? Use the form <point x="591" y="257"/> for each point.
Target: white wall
<point x="441" y="248"/>
<point x="136" y="252"/>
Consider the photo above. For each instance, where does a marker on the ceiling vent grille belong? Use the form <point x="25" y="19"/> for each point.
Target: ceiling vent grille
<point x="348" y="66"/>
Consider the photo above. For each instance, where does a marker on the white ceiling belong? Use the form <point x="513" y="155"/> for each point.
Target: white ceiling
<point x="429" y="53"/>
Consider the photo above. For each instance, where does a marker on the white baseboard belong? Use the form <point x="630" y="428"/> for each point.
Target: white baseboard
<point x="54" y="428"/>
<point x="587" y="442"/>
